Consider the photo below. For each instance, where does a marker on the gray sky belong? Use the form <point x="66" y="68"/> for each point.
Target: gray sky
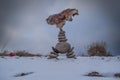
<point x="26" y="29"/>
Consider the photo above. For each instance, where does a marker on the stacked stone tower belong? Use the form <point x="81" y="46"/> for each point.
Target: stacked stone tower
<point x="62" y="47"/>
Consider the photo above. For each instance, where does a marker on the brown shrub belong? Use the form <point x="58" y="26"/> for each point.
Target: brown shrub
<point x="26" y="54"/>
<point x="117" y="75"/>
<point x="20" y="54"/>
<point x="5" y="53"/>
<point x="22" y="74"/>
<point x="94" y="73"/>
<point x="23" y="53"/>
<point x="98" y="49"/>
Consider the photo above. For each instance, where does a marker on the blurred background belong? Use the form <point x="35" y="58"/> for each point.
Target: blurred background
<point x="23" y="24"/>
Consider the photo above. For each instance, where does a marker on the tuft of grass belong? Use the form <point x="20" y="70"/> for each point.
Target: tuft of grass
<point x="26" y="54"/>
<point x="5" y="53"/>
<point x="98" y="49"/>
<point x="117" y="75"/>
<point x="20" y="54"/>
<point x="23" y="53"/>
<point x="22" y="74"/>
<point x="94" y="74"/>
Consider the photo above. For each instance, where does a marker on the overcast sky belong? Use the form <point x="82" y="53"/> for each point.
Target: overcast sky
<point x="24" y="22"/>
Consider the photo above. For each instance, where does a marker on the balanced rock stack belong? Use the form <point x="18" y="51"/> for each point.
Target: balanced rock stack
<point x="61" y="36"/>
<point x="62" y="47"/>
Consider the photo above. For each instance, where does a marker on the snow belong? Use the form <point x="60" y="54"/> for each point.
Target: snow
<point x="62" y="69"/>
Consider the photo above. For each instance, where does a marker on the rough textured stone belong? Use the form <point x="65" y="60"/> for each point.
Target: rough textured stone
<point x="52" y="55"/>
<point x="62" y="40"/>
<point x="63" y="47"/>
<point x="71" y="56"/>
<point x="61" y="37"/>
<point x="62" y="32"/>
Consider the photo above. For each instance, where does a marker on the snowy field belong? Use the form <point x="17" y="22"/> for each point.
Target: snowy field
<point x="62" y="69"/>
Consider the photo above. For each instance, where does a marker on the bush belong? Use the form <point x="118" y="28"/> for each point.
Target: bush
<point x="22" y="74"/>
<point x="5" y="53"/>
<point x="98" y="49"/>
<point x="26" y="54"/>
<point x="94" y="73"/>
<point x="19" y="53"/>
<point x="117" y="75"/>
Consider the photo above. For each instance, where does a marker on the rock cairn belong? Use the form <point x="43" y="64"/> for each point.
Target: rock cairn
<point x="62" y="47"/>
<point x="61" y="36"/>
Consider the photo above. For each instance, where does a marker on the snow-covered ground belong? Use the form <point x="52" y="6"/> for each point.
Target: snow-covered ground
<point x="62" y="69"/>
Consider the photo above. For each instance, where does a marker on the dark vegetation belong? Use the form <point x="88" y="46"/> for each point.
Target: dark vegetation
<point x="26" y="54"/>
<point x="97" y="74"/>
<point x="94" y="49"/>
<point x="94" y="74"/>
<point x="98" y="49"/>
<point x="117" y="75"/>
<point x="20" y="54"/>
<point x="23" y="74"/>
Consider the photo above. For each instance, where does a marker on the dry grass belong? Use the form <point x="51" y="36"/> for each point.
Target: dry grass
<point x="4" y="53"/>
<point x="94" y="74"/>
<point x="26" y="54"/>
<point x="98" y="49"/>
<point x="21" y="54"/>
<point x="117" y="75"/>
<point x="22" y="74"/>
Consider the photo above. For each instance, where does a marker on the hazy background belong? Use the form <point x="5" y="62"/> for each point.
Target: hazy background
<point x="23" y="25"/>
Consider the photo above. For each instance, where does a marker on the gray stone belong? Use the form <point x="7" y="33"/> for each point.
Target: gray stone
<point x="61" y="37"/>
<point x="53" y="55"/>
<point x="62" y="40"/>
<point x="62" y="32"/>
<point x="63" y="47"/>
